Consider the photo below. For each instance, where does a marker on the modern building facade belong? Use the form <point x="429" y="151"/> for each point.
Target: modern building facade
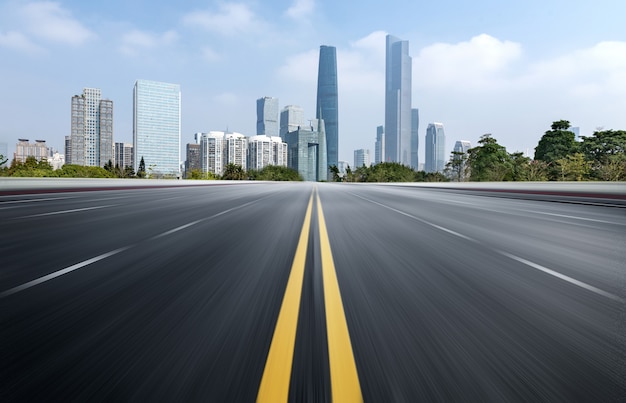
<point x="192" y="162"/>
<point x="24" y="149"/>
<point x="435" y="148"/>
<point x="379" y="145"/>
<point x="415" y="140"/>
<point x="362" y="158"/>
<point x="267" y="116"/>
<point x="156" y="127"/>
<point x="398" y="101"/>
<point x="91" y="138"/>
<point x="328" y="101"/>
<point x="462" y="146"/>
<point x="307" y="151"/>
<point x="236" y="149"/>
<point x="266" y="150"/>
<point x="124" y="155"/>
<point x="291" y="117"/>
<point x="212" y="152"/>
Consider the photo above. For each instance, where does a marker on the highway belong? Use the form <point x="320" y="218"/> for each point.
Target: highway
<point x="311" y="292"/>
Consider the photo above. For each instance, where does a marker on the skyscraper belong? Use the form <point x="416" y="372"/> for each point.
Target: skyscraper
<point x="327" y="100"/>
<point x="91" y="138"/>
<point x="307" y="151"/>
<point x="267" y="116"/>
<point x="398" y="102"/>
<point x="435" y="148"/>
<point x="379" y="149"/>
<point x="361" y="158"/>
<point x="123" y="155"/>
<point x="156" y="127"/>
<point x="415" y="140"/>
<point x="291" y="117"/>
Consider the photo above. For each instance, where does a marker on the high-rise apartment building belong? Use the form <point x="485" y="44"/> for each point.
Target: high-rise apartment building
<point x="156" y="127"/>
<point x="361" y="158"/>
<point x="267" y="116"/>
<point x="415" y="140"/>
<point x="91" y="138"/>
<point x="291" y="117"/>
<point x="266" y="150"/>
<point x="236" y="149"/>
<point x="327" y="100"/>
<point x="212" y="152"/>
<point x="193" y="161"/>
<point x="398" y="102"/>
<point x="379" y="146"/>
<point x="124" y="155"/>
<point x="25" y="149"/>
<point x="307" y="151"/>
<point x="435" y="148"/>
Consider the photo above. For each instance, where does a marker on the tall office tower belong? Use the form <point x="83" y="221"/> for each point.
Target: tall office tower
<point x="307" y="151"/>
<point x="266" y="150"/>
<point x="124" y="155"/>
<point x="576" y="131"/>
<point x="398" y="102"/>
<point x="415" y="140"/>
<point x="212" y="152"/>
<point x="267" y="116"/>
<point x="156" y="127"/>
<point x="291" y="117"/>
<point x="236" y="149"/>
<point x="361" y="158"/>
<point x="328" y="101"/>
<point x="91" y="138"/>
<point x="435" y="148"/>
<point x="379" y="146"/>
<point x="462" y="146"/>
<point x="192" y="163"/>
<point x="68" y="149"/>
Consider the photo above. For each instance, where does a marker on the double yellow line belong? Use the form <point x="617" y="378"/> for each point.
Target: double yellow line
<point x="344" y="380"/>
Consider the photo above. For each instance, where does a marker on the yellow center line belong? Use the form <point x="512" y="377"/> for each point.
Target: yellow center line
<point x="277" y="374"/>
<point x="344" y="379"/>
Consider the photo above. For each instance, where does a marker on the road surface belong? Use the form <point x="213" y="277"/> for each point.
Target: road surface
<point x="311" y="292"/>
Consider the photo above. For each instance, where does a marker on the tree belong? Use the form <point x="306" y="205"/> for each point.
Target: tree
<point x="334" y="170"/>
<point x="233" y="172"/>
<point x="456" y="168"/>
<point x="489" y="161"/>
<point x="606" y="151"/>
<point x="556" y="144"/>
<point x="573" y="168"/>
<point x="3" y="160"/>
<point x="274" y="173"/>
<point x="141" y="171"/>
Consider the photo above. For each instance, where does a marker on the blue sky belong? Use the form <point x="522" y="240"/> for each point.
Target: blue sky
<point x="506" y="68"/>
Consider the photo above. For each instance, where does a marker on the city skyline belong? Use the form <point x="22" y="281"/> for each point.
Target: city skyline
<point x="493" y="68"/>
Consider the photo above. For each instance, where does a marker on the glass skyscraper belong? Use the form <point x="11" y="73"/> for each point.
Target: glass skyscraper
<point x="398" y="102"/>
<point x="267" y="116"/>
<point x="435" y="148"/>
<point x="291" y="117"/>
<point x="379" y="150"/>
<point x="156" y="127"/>
<point x="415" y="140"/>
<point x="327" y="101"/>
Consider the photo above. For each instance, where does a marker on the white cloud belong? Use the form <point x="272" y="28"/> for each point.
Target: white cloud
<point x="300" y="9"/>
<point x="18" y="41"/>
<point x="49" y="21"/>
<point x="481" y="61"/>
<point x="210" y="55"/>
<point x="231" y="19"/>
<point x="301" y="67"/>
<point x="135" y="40"/>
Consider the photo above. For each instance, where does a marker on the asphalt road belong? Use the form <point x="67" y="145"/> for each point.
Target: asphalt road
<point x="311" y="292"/>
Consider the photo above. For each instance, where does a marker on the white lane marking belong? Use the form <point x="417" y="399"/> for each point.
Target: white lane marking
<point x="2" y="203"/>
<point x="574" y="217"/>
<point x="65" y="211"/>
<point x="60" y="272"/>
<point x="562" y="276"/>
<point x="105" y="255"/>
<point x="539" y="267"/>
